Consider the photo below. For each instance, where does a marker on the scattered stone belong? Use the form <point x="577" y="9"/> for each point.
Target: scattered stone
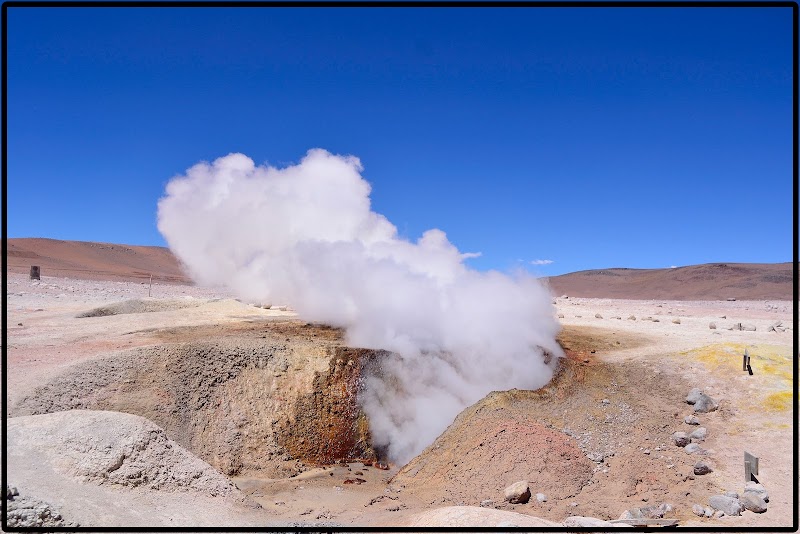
<point x="693" y="396"/>
<point x="702" y="468"/>
<point x="518" y="492"/>
<point x="581" y="522"/>
<point x="726" y="504"/>
<point x="488" y="503"/>
<point x="708" y="512"/>
<point x="691" y="420"/>
<point x="632" y="318"/>
<point x="541" y="497"/>
<point x="598" y="316"/>
<point x="680" y="439"/>
<point x="758" y="489"/>
<point x="705" y="404"/>
<point x="698" y="510"/>
<point x="731" y="299"/>
<point x="560" y="315"/>
<point x="354" y="481"/>
<point x="382" y="466"/>
<point x="712" y="326"/>
<point x="605" y="401"/>
<point x="647" y="512"/>
<point x="694" y="448"/>
<point x="751" y="501"/>
<point x="699" y="434"/>
<point x="676" y="321"/>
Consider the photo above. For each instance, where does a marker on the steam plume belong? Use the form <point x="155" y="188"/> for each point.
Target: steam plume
<point x="305" y="235"/>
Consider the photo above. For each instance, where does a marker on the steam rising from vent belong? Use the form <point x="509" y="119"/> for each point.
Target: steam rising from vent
<point x="305" y="235"/>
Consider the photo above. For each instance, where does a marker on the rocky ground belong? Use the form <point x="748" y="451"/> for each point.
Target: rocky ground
<point x="261" y="406"/>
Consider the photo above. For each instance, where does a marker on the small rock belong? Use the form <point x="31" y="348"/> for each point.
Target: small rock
<point x="541" y="497"/>
<point x="646" y="451"/>
<point x="632" y="318"/>
<point x="749" y="327"/>
<point x="751" y="501"/>
<point x="488" y="503"/>
<point x="705" y="404"/>
<point x="702" y="468"/>
<point x="598" y="316"/>
<point x="680" y="439"/>
<point x="699" y="434"/>
<point x="712" y="326"/>
<point x="693" y="396"/>
<point x="694" y="448"/>
<point x="698" y="510"/>
<point x="726" y="504"/>
<point x="691" y="420"/>
<point x="758" y="489"/>
<point x="708" y="512"/>
<point x="560" y="315"/>
<point x="581" y="522"/>
<point x="676" y="321"/>
<point x="518" y="492"/>
<point x="718" y="514"/>
<point x="605" y="401"/>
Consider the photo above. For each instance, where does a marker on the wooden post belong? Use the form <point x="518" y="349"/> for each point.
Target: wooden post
<point x="750" y="467"/>
<point x="35" y="272"/>
<point x="149" y="289"/>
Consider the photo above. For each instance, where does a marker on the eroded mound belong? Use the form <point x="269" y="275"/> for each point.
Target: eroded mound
<point x="484" y="451"/>
<point x="270" y="405"/>
<point x="140" y="306"/>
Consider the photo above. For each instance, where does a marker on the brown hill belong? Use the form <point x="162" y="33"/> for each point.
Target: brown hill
<point x="713" y="281"/>
<point x="94" y="261"/>
<point x="710" y="281"/>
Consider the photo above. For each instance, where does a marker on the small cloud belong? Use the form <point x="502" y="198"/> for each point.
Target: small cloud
<point x="673" y="266"/>
<point x="541" y="262"/>
<point x="467" y="255"/>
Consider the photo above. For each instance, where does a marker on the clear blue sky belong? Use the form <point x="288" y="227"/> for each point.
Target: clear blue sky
<point x="588" y="137"/>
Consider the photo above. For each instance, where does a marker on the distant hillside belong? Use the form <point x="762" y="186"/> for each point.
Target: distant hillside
<point x="711" y="281"/>
<point x="94" y="261"/>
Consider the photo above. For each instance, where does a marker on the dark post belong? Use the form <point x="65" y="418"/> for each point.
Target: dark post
<point x="35" y="272"/>
<point x="750" y="467"/>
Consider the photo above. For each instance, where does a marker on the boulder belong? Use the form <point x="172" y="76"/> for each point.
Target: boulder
<point x="705" y="404"/>
<point x="694" y="448"/>
<point x="702" y="468"/>
<point x="697" y="509"/>
<point x="518" y="492"/>
<point x="680" y="439"/>
<point x="632" y="318"/>
<point x="727" y="505"/>
<point x="676" y="321"/>
<point x="598" y="316"/>
<point x="691" y="420"/>
<point x="758" y="489"/>
<point x="693" y="395"/>
<point x="751" y="501"/>
<point x="699" y="434"/>
<point x="712" y="326"/>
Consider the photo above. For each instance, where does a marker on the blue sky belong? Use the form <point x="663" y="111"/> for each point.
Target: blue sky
<point x="586" y="137"/>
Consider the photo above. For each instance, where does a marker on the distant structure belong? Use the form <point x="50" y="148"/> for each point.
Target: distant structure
<point x="35" y="272"/>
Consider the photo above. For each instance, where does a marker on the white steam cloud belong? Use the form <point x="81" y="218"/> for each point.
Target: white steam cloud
<point x="305" y="235"/>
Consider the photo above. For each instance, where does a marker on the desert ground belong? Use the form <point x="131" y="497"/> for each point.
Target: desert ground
<point x="188" y="407"/>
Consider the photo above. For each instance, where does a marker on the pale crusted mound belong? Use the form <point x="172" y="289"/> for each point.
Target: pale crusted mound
<point x="100" y="469"/>
<point x="473" y="516"/>
<point x="111" y="448"/>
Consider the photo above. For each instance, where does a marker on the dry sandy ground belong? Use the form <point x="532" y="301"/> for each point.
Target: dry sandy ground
<point x="45" y="338"/>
